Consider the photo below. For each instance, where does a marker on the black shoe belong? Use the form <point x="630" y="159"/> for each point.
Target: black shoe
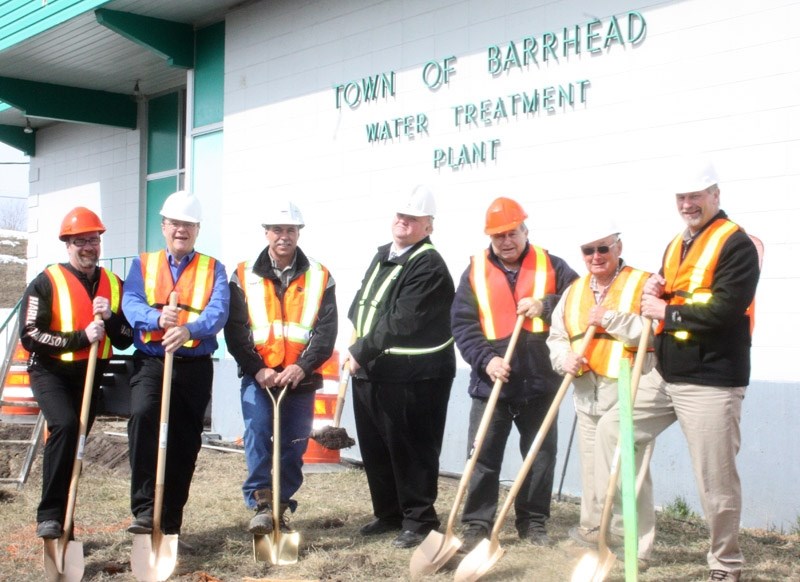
<point x="141" y="525"/>
<point x="472" y="535"/>
<point x="535" y="534"/>
<point x="49" y="529"/>
<point x="379" y="526"/>
<point x="408" y="539"/>
<point x="184" y="548"/>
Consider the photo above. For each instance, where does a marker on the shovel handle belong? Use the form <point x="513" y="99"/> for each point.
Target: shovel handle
<point x="636" y="375"/>
<point x="337" y="415"/>
<point x="86" y="404"/>
<point x="483" y="428"/>
<point x="537" y="442"/>
<point x="163" y="432"/>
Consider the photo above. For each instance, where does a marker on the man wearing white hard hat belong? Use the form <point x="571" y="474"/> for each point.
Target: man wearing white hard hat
<point x="281" y="330"/>
<point x="702" y="300"/>
<point x="189" y="332"/>
<point x="403" y="364"/>
<point x="609" y="297"/>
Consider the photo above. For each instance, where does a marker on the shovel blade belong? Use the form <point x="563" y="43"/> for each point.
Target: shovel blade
<point x="153" y="562"/>
<point x="287" y="548"/>
<point x="478" y="561"/>
<point x="63" y="564"/>
<point x="434" y="552"/>
<point x="593" y="567"/>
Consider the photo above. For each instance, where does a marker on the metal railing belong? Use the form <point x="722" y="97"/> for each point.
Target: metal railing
<point x="118" y="265"/>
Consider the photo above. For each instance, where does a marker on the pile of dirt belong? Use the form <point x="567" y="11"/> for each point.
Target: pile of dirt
<point x="12" y="455"/>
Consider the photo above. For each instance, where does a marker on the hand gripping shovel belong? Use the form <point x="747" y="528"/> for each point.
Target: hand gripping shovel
<point x="437" y="549"/>
<point x="488" y="552"/>
<point x="153" y="556"/>
<point x="277" y="548"/>
<point x="594" y="567"/>
<point x="63" y="557"/>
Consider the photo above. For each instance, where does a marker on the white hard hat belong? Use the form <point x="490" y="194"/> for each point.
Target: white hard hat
<point x="598" y="228"/>
<point x="420" y="203"/>
<point x="692" y="174"/>
<point x="283" y="212"/>
<point x="182" y="205"/>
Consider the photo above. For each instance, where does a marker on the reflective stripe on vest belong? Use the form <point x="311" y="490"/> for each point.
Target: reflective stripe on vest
<point x="194" y="287"/>
<point x="364" y="316"/>
<point x="281" y="332"/>
<point x="73" y="308"/>
<point x="497" y="306"/>
<point x="689" y="279"/>
<point x="604" y="353"/>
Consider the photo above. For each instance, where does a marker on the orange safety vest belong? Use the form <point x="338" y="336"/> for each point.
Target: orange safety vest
<point x="281" y="331"/>
<point x="73" y="309"/>
<point x="194" y="288"/>
<point x="689" y="279"/>
<point x="497" y="306"/>
<point x="604" y="353"/>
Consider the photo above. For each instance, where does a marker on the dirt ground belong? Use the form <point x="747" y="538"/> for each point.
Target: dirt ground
<point x="333" y="505"/>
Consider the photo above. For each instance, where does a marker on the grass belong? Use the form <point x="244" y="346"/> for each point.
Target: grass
<point x="332" y="508"/>
<point x="679" y="509"/>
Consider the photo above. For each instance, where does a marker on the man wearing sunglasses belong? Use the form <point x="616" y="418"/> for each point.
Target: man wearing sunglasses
<point x="56" y="325"/>
<point x="702" y="299"/>
<point x="510" y="277"/>
<point x="609" y="297"/>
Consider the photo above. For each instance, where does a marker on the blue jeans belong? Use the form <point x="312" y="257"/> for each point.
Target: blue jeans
<point x="297" y="416"/>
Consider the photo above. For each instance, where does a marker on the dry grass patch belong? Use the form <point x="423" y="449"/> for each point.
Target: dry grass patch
<point x="332" y="508"/>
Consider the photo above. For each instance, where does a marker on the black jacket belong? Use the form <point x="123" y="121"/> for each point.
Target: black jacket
<point x="717" y="352"/>
<point x="46" y="344"/>
<point x="239" y="336"/>
<point x="414" y="313"/>
<point x="531" y="371"/>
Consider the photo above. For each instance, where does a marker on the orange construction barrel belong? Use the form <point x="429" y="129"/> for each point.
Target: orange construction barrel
<point x="17" y="386"/>
<point x="324" y="409"/>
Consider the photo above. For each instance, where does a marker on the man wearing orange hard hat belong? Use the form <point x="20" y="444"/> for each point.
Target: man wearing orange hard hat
<point x="510" y="277"/>
<point x="56" y="325"/>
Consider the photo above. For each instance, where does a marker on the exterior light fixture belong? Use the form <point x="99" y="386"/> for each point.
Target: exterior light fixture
<point x="28" y="128"/>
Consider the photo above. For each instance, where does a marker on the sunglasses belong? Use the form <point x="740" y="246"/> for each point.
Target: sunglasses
<point x="602" y="249"/>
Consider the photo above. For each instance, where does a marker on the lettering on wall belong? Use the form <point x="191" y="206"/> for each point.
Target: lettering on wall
<point x="594" y="37"/>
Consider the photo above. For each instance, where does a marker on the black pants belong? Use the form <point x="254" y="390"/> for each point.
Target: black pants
<point x="58" y="388"/>
<point x="191" y="392"/>
<point x="532" y="504"/>
<point x="400" y="429"/>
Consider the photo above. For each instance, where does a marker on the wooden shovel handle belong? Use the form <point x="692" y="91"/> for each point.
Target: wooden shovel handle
<point x="163" y="432"/>
<point x="83" y="426"/>
<point x="345" y="380"/>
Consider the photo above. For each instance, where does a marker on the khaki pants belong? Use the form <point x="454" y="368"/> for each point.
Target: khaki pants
<point x="709" y="418"/>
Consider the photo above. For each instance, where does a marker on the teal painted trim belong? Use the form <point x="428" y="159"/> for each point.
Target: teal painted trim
<point x="69" y="103"/>
<point x="209" y="75"/>
<point x="4" y="106"/>
<point x="163" y="114"/>
<point x="173" y="41"/>
<point x="16" y="137"/>
<point x="24" y="19"/>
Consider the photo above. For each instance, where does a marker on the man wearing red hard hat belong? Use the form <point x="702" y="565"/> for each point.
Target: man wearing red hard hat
<point x="56" y="325"/>
<point x="510" y="277"/>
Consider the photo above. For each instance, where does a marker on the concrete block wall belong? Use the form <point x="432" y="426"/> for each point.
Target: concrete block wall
<point x="83" y="165"/>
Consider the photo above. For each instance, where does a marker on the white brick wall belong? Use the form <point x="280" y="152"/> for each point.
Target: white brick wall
<point x="83" y="165"/>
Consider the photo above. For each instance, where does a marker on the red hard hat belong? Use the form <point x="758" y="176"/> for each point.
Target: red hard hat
<point x="504" y="214"/>
<point x="80" y="220"/>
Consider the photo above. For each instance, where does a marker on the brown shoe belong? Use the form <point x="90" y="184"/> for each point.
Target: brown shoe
<point x="590" y="538"/>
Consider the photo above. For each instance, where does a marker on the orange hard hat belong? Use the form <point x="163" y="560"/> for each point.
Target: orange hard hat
<point x="80" y="220"/>
<point x="504" y="214"/>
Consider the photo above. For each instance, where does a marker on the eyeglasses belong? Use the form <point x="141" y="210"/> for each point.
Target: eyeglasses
<point x="82" y="242"/>
<point x="602" y="249"/>
<point x="176" y="224"/>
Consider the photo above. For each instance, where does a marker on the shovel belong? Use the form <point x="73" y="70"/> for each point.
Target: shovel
<point x="153" y="556"/>
<point x="277" y="548"/>
<point x="488" y="552"/>
<point x="437" y="549"/>
<point x="63" y="557"/>
<point x="594" y="567"/>
<point x="334" y="437"/>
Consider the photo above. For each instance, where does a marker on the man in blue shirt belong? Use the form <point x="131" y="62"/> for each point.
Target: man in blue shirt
<point x="189" y="332"/>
